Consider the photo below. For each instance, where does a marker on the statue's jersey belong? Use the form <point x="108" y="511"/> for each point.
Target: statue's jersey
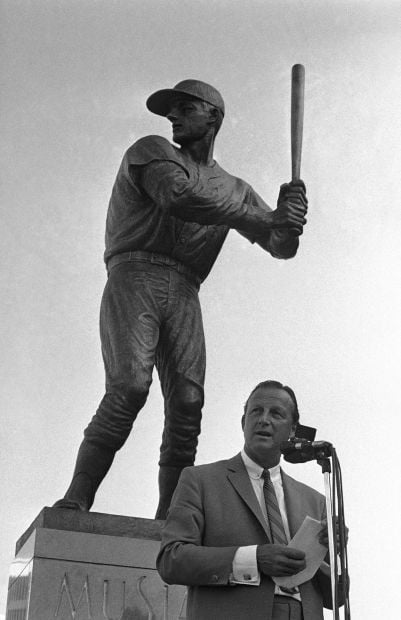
<point x="173" y="206"/>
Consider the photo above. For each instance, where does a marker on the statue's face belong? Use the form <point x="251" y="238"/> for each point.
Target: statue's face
<point x="190" y="119"/>
<point x="268" y="421"/>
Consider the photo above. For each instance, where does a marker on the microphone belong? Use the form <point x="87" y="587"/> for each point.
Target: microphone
<point x="299" y="450"/>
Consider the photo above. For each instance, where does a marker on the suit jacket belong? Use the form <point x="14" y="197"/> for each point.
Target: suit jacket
<point x="214" y="511"/>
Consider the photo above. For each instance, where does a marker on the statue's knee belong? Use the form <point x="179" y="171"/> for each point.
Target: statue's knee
<point x="183" y="425"/>
<point x="187" y="402"/>
<point x="134" y="394"/>
<point x="121" y="404"/>
<point x="130" y="392"/>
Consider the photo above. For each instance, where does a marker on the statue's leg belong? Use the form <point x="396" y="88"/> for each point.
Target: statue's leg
<point x="93" y="463"/>
<point x="129" y="329"/>
<point x="181" y="365"/>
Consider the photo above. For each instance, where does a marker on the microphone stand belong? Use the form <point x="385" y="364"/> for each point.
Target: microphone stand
<point x="326" y="471"/>
<point x="300" y="450"/>
<point x="333" y="492"/>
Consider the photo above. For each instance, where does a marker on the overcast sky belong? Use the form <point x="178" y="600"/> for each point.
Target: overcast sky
<point x="74" y="79"/>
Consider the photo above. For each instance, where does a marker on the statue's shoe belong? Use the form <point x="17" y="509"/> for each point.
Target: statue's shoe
<point x="71" y="504"/>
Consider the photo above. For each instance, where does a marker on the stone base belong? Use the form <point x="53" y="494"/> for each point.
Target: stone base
<point x="90" y="566"/>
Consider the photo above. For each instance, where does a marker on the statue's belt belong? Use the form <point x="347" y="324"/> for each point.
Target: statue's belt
<point x="155" y="258"/>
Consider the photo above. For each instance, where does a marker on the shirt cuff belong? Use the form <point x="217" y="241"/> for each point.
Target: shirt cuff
<point x="245" y="567"/>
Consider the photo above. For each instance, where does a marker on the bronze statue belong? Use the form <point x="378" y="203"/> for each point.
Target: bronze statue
<point x="169" y="214"/>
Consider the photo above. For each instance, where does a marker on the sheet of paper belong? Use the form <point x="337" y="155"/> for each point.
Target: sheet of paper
<point x="307" y="540"/>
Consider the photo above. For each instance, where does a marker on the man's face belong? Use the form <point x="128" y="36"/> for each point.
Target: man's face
<point x="190" y="119"/>
<point x="267" y="422"/>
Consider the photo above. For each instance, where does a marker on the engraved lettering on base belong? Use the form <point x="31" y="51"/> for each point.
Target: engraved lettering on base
<point x="144" y="598"/>
<point x="183" y="610"/>
<point x="66" y="588"/>
<point x="106" y="599"/>
<point x="165" y="608"/>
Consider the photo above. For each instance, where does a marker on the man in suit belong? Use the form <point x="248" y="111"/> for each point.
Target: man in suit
<point x="229" y="522"/>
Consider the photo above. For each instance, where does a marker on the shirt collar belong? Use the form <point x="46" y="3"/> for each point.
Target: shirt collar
<point x="255" y="471"/>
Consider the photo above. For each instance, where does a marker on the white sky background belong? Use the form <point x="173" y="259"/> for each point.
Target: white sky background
<point x="74" y="80"/>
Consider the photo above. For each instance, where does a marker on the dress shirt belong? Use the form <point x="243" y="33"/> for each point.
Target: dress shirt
<point x="245" y="568"/>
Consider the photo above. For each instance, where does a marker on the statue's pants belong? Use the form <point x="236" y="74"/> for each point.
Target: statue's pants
<point x="150" y="315"/>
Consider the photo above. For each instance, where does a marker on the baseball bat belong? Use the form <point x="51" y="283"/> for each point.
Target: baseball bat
<point x="297" y="118"/>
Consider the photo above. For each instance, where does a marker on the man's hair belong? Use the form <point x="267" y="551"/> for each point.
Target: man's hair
<point x="276" y="384"/>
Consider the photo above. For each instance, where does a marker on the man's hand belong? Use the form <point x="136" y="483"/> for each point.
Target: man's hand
<point x="324" y="535"/>
<point x="292" y="206"/>
<point x="279" y="560"/>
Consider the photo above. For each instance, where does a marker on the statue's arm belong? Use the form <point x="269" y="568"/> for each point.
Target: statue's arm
<point x="193" y="199"/>
<point x="157" y="168"/>
<point x="282" y="241"/>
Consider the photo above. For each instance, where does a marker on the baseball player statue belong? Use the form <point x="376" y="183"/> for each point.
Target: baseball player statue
<point x="170" y="211"/>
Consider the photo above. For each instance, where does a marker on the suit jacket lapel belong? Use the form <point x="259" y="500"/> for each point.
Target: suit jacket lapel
<point x="238" y="477"/>
<point x="295" y="503"/>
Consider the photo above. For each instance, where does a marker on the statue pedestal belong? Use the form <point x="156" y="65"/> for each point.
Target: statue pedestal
<point x="90" y="566"/>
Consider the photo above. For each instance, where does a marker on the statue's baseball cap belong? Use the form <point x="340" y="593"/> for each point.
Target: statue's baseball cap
<point x="160" y="101"/>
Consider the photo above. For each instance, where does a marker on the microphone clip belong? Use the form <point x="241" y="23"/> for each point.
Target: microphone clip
<point x="301" y="449"/>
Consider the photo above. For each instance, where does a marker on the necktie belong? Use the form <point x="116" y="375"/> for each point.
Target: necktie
<point x="273" y="511"/>
<point x="275" y="519"/>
